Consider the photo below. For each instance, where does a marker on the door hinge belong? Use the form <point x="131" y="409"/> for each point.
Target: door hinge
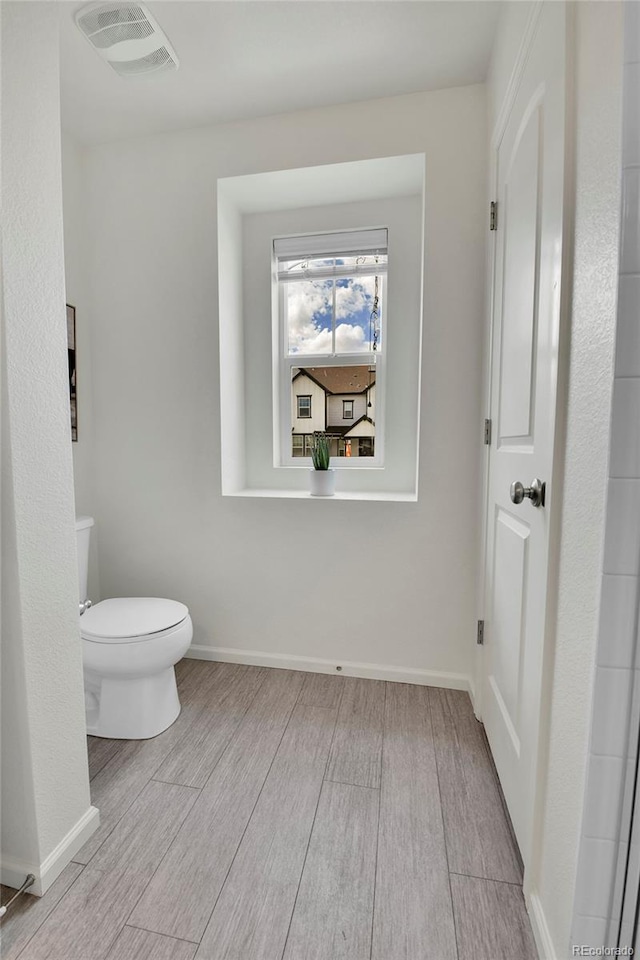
<point x="487" y="432"/>
<point x="493" y="215"/>
<point x="480" y="634"/>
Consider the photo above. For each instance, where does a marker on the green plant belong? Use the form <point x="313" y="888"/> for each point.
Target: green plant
<point x="320" y="452"/>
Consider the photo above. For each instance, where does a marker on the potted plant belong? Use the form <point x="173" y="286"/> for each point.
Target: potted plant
<point x="322" y="478"/>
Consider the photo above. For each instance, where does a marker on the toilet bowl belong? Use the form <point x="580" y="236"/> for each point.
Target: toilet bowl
<point x="129" y="648"/>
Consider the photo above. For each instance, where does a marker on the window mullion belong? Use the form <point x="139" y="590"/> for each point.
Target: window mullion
<point x="333" y="321"/>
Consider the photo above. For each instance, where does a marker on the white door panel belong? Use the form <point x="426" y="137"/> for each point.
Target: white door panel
<point x="519" y="216"/>
<point x="529" y="165"/>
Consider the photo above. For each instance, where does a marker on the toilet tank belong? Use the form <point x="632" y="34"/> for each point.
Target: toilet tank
<point x="83" y="534"/>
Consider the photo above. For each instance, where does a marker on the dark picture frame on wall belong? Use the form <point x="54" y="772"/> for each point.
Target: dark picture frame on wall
<point x="71" y="349"/>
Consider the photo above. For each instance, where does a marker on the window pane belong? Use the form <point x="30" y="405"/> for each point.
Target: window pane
<point x="309" y="305"/>
<point x="355" y="327"/>
<point x="304" y="407"/>
<point x="344" y="407"/>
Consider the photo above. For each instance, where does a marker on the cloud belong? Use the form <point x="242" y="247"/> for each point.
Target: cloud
<point x="309" y="314"/>
<point x="354" y="298"/>
<point x="309" y="309"/>
<point x="350" y="338"/>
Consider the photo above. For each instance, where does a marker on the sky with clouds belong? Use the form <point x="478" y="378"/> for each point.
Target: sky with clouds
<point x="310" y="309"/>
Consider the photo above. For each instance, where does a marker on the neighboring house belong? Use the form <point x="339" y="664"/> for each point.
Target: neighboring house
<point x="339" y="401"/>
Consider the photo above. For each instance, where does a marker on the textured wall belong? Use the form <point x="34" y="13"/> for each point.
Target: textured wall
<point x="611" y="761"/>
<point x="593" y="318"/>
<point x="45" y="788"/>
<point x="162" y="524"/>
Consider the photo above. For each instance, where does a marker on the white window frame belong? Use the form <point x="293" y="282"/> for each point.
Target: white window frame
<point x="284" y="362"/>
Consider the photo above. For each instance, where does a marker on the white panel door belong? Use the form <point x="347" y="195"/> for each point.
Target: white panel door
<point x="529" y="163"/>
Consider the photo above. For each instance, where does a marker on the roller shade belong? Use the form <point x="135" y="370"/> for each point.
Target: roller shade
<point x="351" y="243"/>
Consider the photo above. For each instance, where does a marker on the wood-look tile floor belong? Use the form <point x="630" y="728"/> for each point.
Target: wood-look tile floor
<point x="290" y="816"/>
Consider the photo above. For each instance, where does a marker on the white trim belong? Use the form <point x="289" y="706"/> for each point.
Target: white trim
<point x="13" y="872"/>
<point x="387" y="496"/>
<point x="516" y="74"/>
<point x="368" y="671"/>
<point x="540" y="927"/>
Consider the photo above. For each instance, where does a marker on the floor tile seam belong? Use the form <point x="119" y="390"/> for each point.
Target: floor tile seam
<point x="503" y="799"/>
<point x="109" y="758"/>
<point x="202" y="788"/>
<point x="250" y="817"/>
<point x="337" y="708"/>
<point x="179" y="830"/>
<point x="313" y="823"/>
<point x="53" y="909"/>
<point x="350" y="783"/>
<point x="444" y="832"/>
<point x="161" y="860"/>
<point x="227" y="744"/>
<point x="375" y="867"/>
<point x="137" y="795"/>
<point x="474" y="876"/>
<point x="169" y="936"/>
<point x="199" y="688"/>
<point x="466" y="771"/>
<point x="238" y="725"/>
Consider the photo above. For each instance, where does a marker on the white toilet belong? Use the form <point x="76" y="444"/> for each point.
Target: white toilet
<point x="129" y="647"/>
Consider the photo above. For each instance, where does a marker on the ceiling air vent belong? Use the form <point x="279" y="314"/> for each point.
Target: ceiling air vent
<point x="127" y="37"/>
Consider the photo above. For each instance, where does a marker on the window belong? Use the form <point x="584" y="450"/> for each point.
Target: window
<point x="331" y="335"/>
<point x="304" y="407"/>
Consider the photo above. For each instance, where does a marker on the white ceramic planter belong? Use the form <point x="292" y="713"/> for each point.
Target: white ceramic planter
<point x="322" y="483"/>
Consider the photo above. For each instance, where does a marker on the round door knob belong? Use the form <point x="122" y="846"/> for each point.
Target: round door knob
<point x="535" y="492"/>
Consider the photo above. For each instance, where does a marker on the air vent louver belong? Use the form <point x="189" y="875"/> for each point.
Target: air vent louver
<point x="127" y="37"/>
<point x="158" y="60"/>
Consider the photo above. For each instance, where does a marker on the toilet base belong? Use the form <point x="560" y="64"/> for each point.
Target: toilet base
<point x="131" y="709"/>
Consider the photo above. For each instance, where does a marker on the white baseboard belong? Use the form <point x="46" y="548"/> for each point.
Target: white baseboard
<point x="14" y="872"/>
<point x="369" y="671"/>
<point x="544" y="943"/>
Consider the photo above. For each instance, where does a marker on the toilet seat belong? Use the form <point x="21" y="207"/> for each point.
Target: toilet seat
<point x="131" y="619"/>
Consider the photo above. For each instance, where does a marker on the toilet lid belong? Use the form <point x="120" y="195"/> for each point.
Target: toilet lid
<point x="129" y="618"/>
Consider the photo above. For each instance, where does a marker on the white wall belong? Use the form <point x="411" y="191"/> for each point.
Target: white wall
<point x="162" y="525"/>
<point x="75" y="238"/>
<point x="45" y="788"/>
<point x="585" y="405"/>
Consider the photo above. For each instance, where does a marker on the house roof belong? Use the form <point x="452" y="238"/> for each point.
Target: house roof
<point x="340" y="431"/>
<point x="339" y="380"/>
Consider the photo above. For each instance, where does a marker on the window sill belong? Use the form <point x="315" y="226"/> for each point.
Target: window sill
<point x="389" y="496"/>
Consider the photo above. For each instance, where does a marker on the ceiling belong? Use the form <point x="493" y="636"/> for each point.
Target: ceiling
<point x="252" y="58"/>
